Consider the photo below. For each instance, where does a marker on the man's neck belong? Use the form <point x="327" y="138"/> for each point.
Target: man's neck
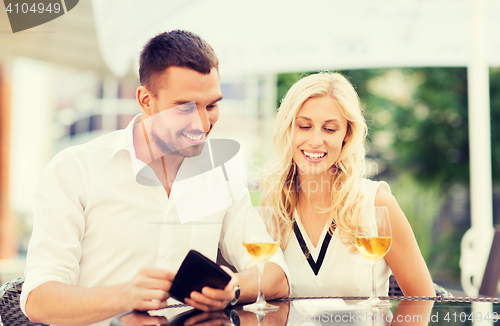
<point x="165" y="167"/>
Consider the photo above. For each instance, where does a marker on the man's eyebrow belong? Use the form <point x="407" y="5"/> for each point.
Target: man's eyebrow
<point x="217" y="100"/>
<point x="181" y="102"/>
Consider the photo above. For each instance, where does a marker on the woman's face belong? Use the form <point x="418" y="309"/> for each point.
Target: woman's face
<point x="319" y="131"/>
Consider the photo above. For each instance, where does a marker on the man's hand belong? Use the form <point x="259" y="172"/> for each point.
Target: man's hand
<point x="149" y="289"/>
<point x="214" y="299"/>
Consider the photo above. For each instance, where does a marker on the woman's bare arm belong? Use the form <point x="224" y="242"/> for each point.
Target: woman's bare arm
<point x="404" y="257"/>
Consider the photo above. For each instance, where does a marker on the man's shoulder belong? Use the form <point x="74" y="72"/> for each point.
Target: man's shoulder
<point x="101" y="147"/>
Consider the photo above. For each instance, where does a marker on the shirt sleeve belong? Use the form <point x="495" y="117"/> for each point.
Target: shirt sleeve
<point x="54" y="250"/>
<point x="232" y="237"/>
<point x="385" y="186"/>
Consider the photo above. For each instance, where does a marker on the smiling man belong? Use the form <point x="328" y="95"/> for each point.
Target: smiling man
<point x="104" y="243"/>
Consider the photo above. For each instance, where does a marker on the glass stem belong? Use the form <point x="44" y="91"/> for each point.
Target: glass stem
<point x="260" y="296"/>
<point x="260" y="319"/>
<point x="374" y="286"/>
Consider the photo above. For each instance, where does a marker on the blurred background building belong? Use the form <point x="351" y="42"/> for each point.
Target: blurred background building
<point x="74" y="78"/>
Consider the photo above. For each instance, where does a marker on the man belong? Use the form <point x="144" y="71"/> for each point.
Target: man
<point x="103" y="243"/>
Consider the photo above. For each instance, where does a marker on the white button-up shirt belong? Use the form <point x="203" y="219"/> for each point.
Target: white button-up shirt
<point x="95" y="225"/>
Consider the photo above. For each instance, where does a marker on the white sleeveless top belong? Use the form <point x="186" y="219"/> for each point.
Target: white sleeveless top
<point x="341" y="272"/>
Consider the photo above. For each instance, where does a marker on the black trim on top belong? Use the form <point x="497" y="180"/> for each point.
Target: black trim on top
<point x="315" y="266"/>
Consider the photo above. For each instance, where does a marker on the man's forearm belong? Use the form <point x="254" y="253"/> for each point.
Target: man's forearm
<point x="62" y="304"/>
<point x="274" y="283"/>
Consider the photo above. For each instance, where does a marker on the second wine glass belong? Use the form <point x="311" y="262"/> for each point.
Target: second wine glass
<point x="373" y="240"/>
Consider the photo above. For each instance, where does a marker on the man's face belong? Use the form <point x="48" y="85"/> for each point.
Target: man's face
<point x="185" y="108"/>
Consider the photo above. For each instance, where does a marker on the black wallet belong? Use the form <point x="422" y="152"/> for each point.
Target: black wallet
<point x="196" y="272"/>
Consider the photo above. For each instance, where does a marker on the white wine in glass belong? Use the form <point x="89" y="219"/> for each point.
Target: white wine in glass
<point x="261" y="251"/>
<point x="374" y="240"/>
<point x="260" y="246"/>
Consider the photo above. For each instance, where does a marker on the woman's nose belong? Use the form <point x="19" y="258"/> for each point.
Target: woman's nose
<point x="315" y="140"/>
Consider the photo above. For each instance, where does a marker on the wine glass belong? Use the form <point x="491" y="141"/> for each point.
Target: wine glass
<point x="374" y="240"/>
<point x="260" y="245"/>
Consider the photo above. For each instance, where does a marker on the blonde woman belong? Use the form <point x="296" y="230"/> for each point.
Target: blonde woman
<point x="318" y="190"/>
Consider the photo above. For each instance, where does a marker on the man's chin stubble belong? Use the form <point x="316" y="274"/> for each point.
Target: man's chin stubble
<point x="189" y="151"/>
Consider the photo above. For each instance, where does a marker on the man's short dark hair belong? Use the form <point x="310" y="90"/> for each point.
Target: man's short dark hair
<point x="178" y="49"/>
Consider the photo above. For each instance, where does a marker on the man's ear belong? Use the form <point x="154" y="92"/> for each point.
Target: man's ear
<point x="144" y="98"/>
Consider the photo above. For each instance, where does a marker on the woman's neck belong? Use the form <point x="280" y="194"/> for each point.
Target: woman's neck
<point x="313" y="203"/>
<point x="315" y="190"/>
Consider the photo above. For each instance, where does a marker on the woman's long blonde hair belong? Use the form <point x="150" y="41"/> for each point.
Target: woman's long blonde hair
<point x="280" y="184"/>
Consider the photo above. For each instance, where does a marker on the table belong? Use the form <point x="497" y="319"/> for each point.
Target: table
<point x="334" y="311"/>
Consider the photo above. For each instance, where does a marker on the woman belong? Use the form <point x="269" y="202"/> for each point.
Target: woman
<point x="317" y="194"/>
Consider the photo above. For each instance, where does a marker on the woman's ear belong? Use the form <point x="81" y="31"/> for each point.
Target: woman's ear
<point x="144" y="99"/>
<point x="346" y="137"/>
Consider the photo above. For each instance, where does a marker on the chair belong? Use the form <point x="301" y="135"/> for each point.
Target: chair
<point x="10" y="311"/>
<point x="395" y="290"/>
<point x="491" y="277"/>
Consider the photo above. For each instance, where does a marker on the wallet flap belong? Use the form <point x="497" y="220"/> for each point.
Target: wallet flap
<point x="196" y="272"/>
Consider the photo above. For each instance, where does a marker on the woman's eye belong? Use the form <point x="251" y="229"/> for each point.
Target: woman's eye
<point x="304" y="127"/>
<point x="330" y="130"/>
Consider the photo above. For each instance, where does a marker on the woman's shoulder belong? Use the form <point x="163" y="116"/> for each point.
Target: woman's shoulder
<point x="375" y="184"/>
<point x="380" y="190"/>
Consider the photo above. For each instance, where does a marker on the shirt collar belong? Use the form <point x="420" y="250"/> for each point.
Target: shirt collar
<point x="126" y="144"/>
<point x="137" y="165"/>
<point x="123" y="141"/>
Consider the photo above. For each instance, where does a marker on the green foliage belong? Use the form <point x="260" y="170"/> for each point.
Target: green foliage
<point x="421" y="205"/>
<point x="444" y="263"/>
<point x="255" y="197"/>
<point x="440" y="148"/>
<point x="428" y="125"/>
<point x="495" y="121"/>
<point x="284" y="82"/>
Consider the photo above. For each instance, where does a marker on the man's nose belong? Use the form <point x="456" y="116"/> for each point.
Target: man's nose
<point x="204" y="122"/>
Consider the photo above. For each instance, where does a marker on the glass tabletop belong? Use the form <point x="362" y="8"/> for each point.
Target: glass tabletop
<point x="331" y="311"/>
